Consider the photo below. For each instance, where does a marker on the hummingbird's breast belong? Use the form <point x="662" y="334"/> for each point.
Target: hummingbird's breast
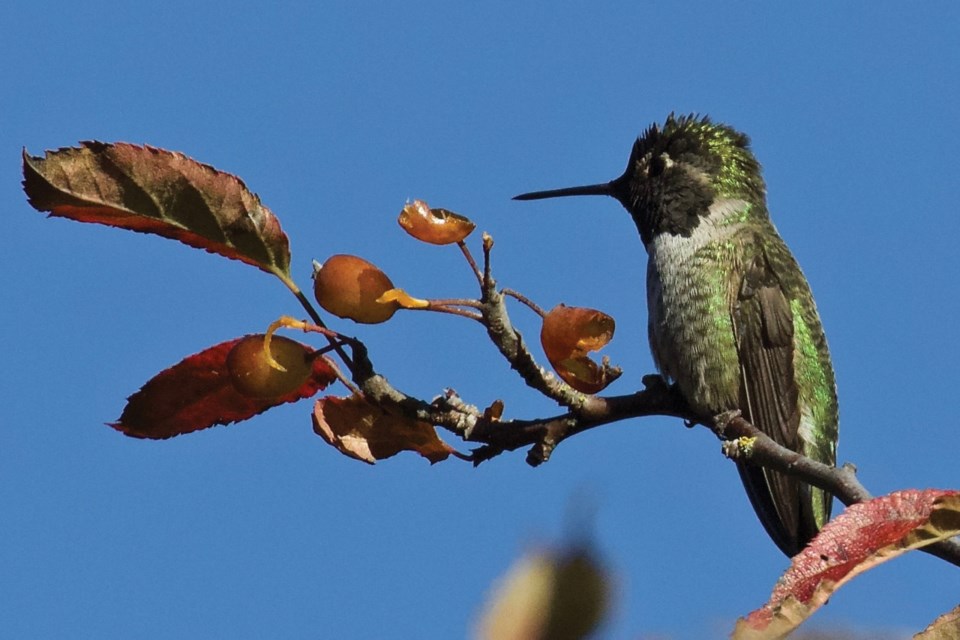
<point x="692" y="285"/>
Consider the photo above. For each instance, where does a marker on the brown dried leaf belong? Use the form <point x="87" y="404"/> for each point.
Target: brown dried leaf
<point x="151" y="190"/>
<point x="864" y="535"/>
<point x="364" y="431"/>
<point x="567" y="335"/>
<point x="199" y="392"/>
<point x="436" y="226"/>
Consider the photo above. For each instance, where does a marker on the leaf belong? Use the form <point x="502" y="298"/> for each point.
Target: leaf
<point x="864" y="535"/>
<point x="945" y="627"/>
<point x="151" y="190"/>
<point x="436" y="226"/>
<point x="362" y="430"/>
<point x="567" y="335"/>
<point x="549" y="595"/>
<point x="199" y="392"/>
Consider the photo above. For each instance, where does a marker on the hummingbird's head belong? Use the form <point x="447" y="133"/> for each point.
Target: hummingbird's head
<point x="676" y="172"/>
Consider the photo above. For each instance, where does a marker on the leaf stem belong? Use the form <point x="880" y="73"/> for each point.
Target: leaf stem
<point x="456" y="302"/>
<point x="305" y="303"/>
<point x="453" y="310"/>
<point x="525" y="300"/>
<point x="473" y="263"/>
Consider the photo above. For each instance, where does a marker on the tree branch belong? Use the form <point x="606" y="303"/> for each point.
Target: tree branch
<point x="742" y="440"/>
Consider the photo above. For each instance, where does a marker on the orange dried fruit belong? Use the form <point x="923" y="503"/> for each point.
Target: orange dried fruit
<point x="348" y="286"/>
<point x="253" y="374"/>
<point x="436" y="226"/>
<point x="567" y="335"/>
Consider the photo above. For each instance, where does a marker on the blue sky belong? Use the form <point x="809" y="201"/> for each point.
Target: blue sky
<point x="335" y="114"/>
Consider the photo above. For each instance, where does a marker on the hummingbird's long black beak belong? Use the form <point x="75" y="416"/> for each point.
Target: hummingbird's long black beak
<point x="603" y="189"/>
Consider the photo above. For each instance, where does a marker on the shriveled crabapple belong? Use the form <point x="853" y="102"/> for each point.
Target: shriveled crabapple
<point x="348" y="286"/>
<point x="254" y="375"/>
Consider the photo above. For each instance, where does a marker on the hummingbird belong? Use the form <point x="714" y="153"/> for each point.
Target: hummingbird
<point x="731" y="319"/>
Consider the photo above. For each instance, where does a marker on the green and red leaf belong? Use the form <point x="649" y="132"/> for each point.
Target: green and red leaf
<point x="199" y="392"/>
<point x="152" y="190"/>
<point x="864" y="535"/>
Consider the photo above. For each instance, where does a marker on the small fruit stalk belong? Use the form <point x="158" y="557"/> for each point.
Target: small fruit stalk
<point x="350" y="287"/>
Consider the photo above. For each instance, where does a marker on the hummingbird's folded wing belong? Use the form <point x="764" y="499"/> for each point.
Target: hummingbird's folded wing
<point x="769" y="399"/>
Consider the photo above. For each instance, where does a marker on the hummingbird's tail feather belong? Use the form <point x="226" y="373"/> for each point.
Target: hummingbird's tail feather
<point x="792" y="523"/>
<point x="603" y="189"/>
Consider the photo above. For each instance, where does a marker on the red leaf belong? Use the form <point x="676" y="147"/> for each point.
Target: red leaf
<point x="155" y="191"/>
<point x="863" y="536"/>
<point x="198" y="392"/>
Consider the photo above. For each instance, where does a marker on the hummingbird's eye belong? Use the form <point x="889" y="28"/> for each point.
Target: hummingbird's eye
<point x="656" y="166"/>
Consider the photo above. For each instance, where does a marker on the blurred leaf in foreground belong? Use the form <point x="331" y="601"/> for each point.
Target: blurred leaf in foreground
<point x="548" y="595"/>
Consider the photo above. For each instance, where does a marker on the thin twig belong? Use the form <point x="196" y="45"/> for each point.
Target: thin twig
<point x="342" y="378"/>
<point x="456" y="311"/>
<point x="486" y="282"/>
<point x="537" y="309"/>
<point x="473" y="263"/>
<point x="457" y="302"/>
<point x="319" y="322"/>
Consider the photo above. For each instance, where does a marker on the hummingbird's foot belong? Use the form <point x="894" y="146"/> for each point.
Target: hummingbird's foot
<point x="655" y="382"/>
<point x="658" y="386"/>
<point x="722" y="420"/>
